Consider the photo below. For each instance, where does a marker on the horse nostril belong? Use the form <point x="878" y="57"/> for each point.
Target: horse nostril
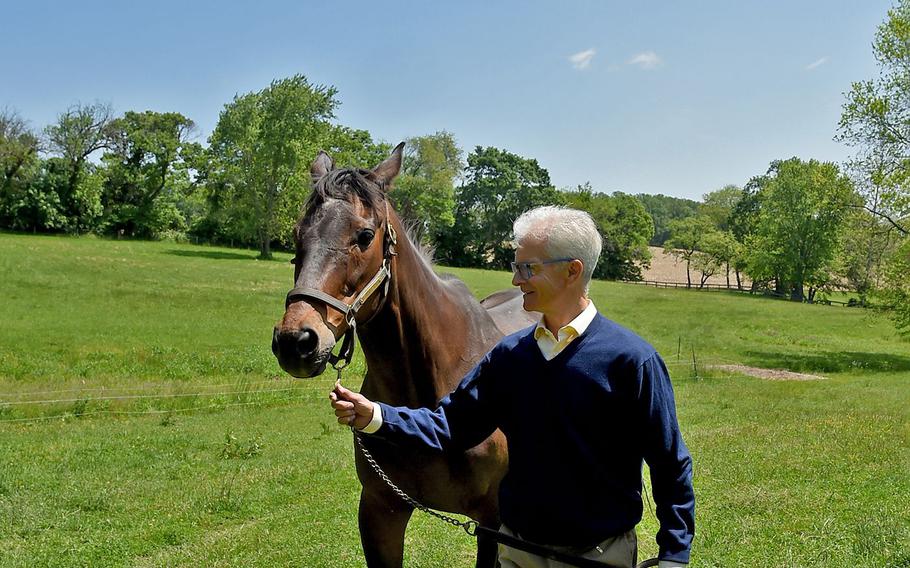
<point x="275" y="341"/>
<point x="306" y="342"/>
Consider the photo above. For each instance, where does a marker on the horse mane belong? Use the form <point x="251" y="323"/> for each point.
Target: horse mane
<point x="425" y="251"/>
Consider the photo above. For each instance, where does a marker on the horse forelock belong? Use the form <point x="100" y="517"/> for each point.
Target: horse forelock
<point x="346" y="184"/>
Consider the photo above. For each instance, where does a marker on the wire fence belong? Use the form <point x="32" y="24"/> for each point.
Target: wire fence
<point x="80" y="406"/>
<point x="146" y="412"/>
<point x="683" y="364"/>
<point x="126" y="388"/>
<point x="731" y="288"/>
<point x="144" y="396"/>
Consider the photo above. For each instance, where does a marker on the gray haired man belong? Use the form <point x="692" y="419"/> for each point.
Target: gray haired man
<point x="583" y="403"/>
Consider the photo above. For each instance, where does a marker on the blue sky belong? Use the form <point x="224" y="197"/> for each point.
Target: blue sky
<point x="670" y="97"/>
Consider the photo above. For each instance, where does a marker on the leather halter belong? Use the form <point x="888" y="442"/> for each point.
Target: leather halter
<point x="382" y="279"/>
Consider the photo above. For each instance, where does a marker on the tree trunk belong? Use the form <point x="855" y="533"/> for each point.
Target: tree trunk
<point x="779" y="286"/>
<point x="688" y="275"/>
<point x="265" y="251"/>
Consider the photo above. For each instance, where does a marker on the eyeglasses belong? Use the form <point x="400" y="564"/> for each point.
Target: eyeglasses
<point x="528" y="269"/>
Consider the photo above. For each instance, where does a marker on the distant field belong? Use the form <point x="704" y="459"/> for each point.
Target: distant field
<point x="144" y="421"/>
<point x="666" y="268"/>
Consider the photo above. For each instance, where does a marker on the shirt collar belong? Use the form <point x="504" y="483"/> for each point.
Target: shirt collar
<point x="576" y="326"/>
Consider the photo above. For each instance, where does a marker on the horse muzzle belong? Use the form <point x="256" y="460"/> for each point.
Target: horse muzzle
<point x="302" y="353"/>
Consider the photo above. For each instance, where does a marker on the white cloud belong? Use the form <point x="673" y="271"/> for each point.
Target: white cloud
<point x="818" y="63"/>
<point x="582" y="59"/>
<point x="646" y="60"/>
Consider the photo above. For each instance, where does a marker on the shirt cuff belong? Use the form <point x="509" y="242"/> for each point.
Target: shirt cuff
<point x="670" y="564"/>
<point x="375" y="422"/>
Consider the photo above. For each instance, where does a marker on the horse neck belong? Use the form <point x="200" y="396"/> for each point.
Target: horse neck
<point x="424" y="337"/>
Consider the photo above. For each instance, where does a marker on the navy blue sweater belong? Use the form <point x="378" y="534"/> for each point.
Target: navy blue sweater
<point x="578" y="428"/>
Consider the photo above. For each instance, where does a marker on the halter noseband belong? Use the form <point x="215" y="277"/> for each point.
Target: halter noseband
<point x="383" y="279"/>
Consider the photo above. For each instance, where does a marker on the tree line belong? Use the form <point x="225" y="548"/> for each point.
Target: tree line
<point x="144" y="175"/>
<point x="800" y="228"/>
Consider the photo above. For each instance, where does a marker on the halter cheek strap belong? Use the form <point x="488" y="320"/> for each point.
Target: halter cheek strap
<point x="382" y="278"/>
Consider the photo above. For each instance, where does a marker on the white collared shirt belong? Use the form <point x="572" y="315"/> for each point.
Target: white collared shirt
<point x="551" y="346"/>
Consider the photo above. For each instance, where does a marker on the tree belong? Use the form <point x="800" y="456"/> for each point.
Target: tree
<point x="876" y="121"/>
<point x="687" y="237"/>
<point x="867" y="243"/>
<point x="719" y="250"/>
<point x="425" y="190"/>
<point x="663" y="209"/>
<point x="501" y="186"/>
<point x="718" y="206"/>
<point x="799" y="225"/>
<point x="19" y="164"/>
<point x="259" y="152"/>
<point x="78" y="133"/>
<point x="626" y="229"/>
<point x="896" y="291"/>
<point x="148" y="172"/>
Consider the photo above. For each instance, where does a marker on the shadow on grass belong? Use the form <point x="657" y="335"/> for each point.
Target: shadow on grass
<point x="213" y="254"/>
<point x="828" y="362"/>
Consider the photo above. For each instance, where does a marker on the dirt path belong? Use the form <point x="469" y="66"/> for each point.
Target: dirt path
<point x="768" y="374"/>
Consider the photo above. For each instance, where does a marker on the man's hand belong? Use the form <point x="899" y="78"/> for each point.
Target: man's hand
<point x="351" y="408"/>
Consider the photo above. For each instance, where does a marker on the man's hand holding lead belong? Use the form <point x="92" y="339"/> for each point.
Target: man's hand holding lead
<point x="351" y="408"/>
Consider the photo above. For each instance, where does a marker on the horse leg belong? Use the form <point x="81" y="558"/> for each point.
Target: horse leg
<point x="382" y="527"/>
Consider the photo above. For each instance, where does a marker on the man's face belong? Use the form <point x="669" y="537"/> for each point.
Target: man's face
<point x="546" y="284"/>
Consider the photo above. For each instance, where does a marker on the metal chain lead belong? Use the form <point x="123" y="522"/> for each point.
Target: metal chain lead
<point x="469" y="527"/>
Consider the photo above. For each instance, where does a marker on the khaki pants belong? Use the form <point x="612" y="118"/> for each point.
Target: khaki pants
<point x="620" y="551"/>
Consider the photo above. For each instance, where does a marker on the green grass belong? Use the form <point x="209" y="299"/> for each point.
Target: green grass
<point x="248" y="468"/>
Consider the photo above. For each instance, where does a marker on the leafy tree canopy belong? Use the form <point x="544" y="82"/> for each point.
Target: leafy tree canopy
<point x="500" y="187"/>
<point x="625" y="227"/>
<point x="148" y="160"/>
<point x="802" y="208"/>
<point x="663" y="209"/>
<point x="260" y="152"/>
<point x="425" y="189"/>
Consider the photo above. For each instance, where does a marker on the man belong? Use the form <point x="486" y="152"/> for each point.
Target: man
<point x="582" y="402"/>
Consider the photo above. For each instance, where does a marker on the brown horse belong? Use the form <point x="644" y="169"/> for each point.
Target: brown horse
<point x="420" y="334"/>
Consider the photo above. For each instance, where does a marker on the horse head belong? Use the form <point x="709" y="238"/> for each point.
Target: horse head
<point x="344" y="244"/>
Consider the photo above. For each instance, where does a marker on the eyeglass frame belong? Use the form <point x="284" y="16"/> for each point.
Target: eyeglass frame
<point x="523" y="269"/>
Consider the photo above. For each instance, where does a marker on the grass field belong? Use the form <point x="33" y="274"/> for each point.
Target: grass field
<point x="168" y="436"/>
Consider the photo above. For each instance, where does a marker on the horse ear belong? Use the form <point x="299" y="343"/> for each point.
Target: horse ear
<point x="389" y="168"/>
<point x="322" y="165"/>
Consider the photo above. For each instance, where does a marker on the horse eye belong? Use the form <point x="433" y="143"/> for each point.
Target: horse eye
<point x="365" y="237"/>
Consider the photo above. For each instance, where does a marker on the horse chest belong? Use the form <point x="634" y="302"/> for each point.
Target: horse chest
<point x="447" y="481"/>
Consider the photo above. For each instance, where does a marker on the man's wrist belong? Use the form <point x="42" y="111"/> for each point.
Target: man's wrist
<point x="375" y="421"/>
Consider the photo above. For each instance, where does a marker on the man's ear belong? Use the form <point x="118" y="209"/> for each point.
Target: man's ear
<point x="576" y="268"/>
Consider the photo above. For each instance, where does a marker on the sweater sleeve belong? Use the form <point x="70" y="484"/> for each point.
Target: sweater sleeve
<point x="669" y="461"/>
<point x="462" y="419"/>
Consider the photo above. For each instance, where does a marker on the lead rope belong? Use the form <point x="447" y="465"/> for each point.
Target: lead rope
<point x="469" y="527"/>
